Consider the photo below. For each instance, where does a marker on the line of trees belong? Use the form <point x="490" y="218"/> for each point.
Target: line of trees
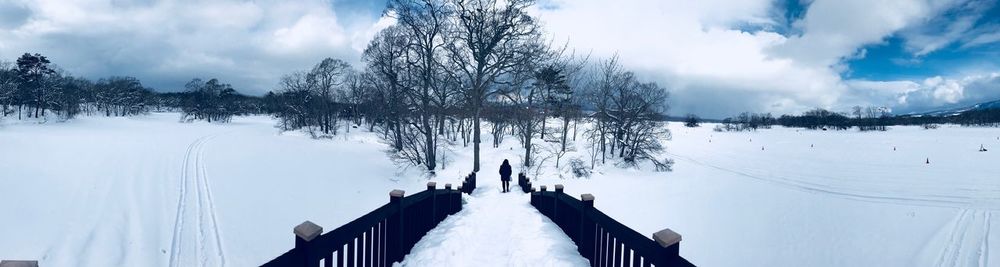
<point x="863" y="118"/>
<point x="32" y="86"/>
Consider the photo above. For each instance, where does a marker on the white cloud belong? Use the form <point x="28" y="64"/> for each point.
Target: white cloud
<point x="694" y="48"/>
<point x="931" y="93"/>
<point x="165" y="43"/>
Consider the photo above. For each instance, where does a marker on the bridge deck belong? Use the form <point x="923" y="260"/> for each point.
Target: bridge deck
<point x="495" y="229"/>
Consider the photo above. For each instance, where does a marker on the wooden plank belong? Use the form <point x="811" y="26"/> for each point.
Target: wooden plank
<point x="340" y="256"/>
<point x="369" y="244"/>
<point x="626" y="255"/>
<point x="609" y="243"/>
<point x="350" y="253"/>
<point x="377" y="247"/>
<point x="603" y="257"/>
<point x="617" y="258"/>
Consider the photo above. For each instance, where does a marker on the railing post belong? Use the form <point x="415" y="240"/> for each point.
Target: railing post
<point x="397" y="225"/>
<point x="670" y="243"/>
<point x="587" y="228"/>
<point x="432" y="186"/>
<point x="451" y="196"/>
<point x="534" y="198"/>
<point x="304" y="233"/>
<point x="555" y="205"/>
<point x="473" y="183"/>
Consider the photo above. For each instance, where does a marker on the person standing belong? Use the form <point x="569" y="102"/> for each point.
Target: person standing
<point x="505" y="175"/>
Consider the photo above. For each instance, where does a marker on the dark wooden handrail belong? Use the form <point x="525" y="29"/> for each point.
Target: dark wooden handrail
<point x="379" y="238"/>
<point x="603" y="240"/>
<point x="468" y="184"/>
<point x="524" y="182"/>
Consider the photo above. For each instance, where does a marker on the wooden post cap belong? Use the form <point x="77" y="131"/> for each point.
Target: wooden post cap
<point x="397" y="193"/>
<point x="459" y="187"/>
<point x="666" y="237"/>
<point x="559" y="188"/>
<point x="447" y="186"/>
<point x="18" y="263"/>
<point x="542" y="188"/>
<point x="308" y="230"/>
<point x="587" y="197"/>
<point x="431" y="185"/>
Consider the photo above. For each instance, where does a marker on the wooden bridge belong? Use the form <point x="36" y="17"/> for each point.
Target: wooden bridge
<point x="387" y="234"/>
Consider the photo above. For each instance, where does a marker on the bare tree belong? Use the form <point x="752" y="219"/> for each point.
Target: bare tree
<point x="384" y="57"/>
<point x="486" y="43"/>
<point x="326" y="79"/>
<point x="424" y="24"/>
<point x="628" y="116"/>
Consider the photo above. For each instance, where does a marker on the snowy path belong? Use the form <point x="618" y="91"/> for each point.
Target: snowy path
<point x="495" y="229"/>
<point x="196" y="238"/>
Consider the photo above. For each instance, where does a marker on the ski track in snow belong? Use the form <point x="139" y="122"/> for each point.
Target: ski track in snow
<point x="194" y="174"/>
<point x="932" y="200"/>
<point x="968" y="242"/>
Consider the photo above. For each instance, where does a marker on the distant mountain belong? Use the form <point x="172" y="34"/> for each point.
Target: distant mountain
<point x="995" y="104"/>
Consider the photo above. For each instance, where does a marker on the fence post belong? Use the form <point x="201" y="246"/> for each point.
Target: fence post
<point x="395" y="237"/>
<point x="587" y="228"/>
<point x="432" y="186"/>
<point x="555" y="205"/>
<point x="304" y="233"/>
<point x="451" y="196"/>
<point x="473" y="183"/>
<point x="670" y="243"/>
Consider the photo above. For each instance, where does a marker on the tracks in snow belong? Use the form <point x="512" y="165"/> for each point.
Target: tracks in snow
<point x="863" y="194"/>
<point x="968" y="242"/>
<point x="196" y="239"/>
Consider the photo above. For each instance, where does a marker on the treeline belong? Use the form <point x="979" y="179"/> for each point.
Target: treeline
<point x="33" y="86"/>
<point x="449" y="67"/>
<point x="868" y="118"/>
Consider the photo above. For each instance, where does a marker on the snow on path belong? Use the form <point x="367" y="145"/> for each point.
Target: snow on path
<point x="495" y="229"/>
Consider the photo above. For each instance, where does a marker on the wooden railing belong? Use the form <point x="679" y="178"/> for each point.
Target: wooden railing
<point x="468" y="184"/>
<point x="378" y="238"/>
<point x="524" y="182"/>
<point x="603" y="240"/>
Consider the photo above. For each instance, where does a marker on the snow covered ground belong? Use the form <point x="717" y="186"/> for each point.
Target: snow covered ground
<point x="149" y="191"/>
<point x="496" y="229"/>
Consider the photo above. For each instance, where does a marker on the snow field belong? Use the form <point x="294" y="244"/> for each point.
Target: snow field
<point x="149" y="191"/>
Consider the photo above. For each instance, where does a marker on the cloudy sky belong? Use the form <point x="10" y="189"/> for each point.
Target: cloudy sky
<point x="717" y="57"/>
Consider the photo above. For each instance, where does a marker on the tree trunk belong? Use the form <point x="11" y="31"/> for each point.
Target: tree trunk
<point x="430" y="152"/>
<point x="543" y="124"/>
<point x="399" y="135"/>
<point x="603" y="144"/>
<point x="564" y="133"/>
<point x="475" y="141"/>
<point x="575" y="122"/>
<point x="527" y="145"/>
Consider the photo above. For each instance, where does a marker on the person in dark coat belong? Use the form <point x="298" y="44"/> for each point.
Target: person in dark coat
<point x="505" y="175"/>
